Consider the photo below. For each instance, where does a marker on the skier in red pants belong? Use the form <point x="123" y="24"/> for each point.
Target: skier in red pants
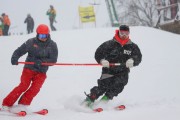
<point x="40" y="49"/>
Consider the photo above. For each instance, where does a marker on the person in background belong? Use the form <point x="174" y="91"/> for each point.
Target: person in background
<point x="7" y="23"/>
<point x="1" y="26"/>
<point x="30" y="24"/>
<point x="40" y="49"/>
<point x="113" y="78"/>
<point x="52" y="15"/>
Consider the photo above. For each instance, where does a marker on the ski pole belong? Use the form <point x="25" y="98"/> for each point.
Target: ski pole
<point x="71" y="64"/>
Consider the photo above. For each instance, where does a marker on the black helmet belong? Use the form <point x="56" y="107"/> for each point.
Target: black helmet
<point x="124" y="27"/>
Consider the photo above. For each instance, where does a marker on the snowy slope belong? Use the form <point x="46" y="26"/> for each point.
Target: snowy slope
<point x="151" y="94"/>
<point x="67" y="13"/>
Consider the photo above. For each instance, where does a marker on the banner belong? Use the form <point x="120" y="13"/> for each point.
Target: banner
<point x="87" y="14"/>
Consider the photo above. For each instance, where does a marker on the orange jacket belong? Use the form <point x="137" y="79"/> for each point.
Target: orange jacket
<point x="6" y="20"/>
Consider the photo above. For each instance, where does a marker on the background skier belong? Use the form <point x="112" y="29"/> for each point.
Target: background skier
<point x="7" y="23"/>
<point x="30" y="24"/>
<point x="1" y="26"/>
<point x="40" y="49"/>
<point x="113" y="79"/>
<point x="52" y="15"/>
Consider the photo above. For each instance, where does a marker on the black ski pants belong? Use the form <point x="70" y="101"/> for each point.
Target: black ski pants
<point x="6" y="30"/>
<point x="51" y="24"/>
<point x="111" y="86"/>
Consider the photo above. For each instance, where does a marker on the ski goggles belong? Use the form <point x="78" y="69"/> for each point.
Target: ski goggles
<point x="42" y="36"/>
<point x="123" y="33"/>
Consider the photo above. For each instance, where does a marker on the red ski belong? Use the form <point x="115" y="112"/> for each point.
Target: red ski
<point x="24" y="113"/>
<point x="98" y="110"/>
<point x="21" y="113"/>
<point x="42" y="112"/>
<point x="120" y="107"/>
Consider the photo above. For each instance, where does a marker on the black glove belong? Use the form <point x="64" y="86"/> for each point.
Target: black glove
<point x="37" y="64"/>
<point x="14" y="62"/>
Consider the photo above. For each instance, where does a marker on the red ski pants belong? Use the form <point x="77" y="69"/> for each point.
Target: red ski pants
<point x="31" y="82"/>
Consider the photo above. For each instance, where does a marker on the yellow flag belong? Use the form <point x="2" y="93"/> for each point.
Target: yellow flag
<point x="87" y="14"/>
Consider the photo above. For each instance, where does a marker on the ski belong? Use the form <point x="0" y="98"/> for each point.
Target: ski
<point x="119" y="107"/>
<point x="42" y="112"/>
<point x="24" y="113"/>
<point x="21" y="113"/>
<point x="98" y="109"/>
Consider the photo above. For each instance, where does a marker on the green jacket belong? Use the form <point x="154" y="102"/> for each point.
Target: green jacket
<point x="51" y="13"/>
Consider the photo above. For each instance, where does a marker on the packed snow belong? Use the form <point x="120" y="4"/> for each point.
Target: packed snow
<point x="151" y="94"/>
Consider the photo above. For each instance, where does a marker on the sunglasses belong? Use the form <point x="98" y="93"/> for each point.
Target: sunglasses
<point x="42" y="36"/>
<point x="123" y="33"/>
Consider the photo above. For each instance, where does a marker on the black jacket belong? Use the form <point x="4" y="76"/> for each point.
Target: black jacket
<point x="30" y="22"/>
<point x="37" y="50"/>
<point x="114" y="52"/>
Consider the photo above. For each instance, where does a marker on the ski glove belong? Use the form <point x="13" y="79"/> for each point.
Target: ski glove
<point x="37" y="64"/>
<point x="104" y="63"/>
<point x="14" y="62"/>
<point x="130" y="63"/>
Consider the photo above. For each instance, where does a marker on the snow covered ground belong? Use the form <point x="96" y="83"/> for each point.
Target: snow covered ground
<point x="67" y="13"/>
<point x="151" y="94"/>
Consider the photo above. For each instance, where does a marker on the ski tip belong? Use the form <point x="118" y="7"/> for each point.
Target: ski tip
<point x="98" y="110"/>
<point x="22" y="113"/>
<point x="121" y="107"/>
<point x="42" y="112"/>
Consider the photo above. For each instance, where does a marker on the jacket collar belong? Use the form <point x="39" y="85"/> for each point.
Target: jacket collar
<point x="119" y="40"/>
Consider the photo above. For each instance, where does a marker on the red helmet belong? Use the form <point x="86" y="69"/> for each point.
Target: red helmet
<point x="42" y="29"/>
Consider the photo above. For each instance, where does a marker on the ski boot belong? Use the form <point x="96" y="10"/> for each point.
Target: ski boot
<point x="18" y="108"/>
<point x="89" y="101"/>
<point x="104" y="99"/>
<point x="5" y="108"/>
<point x="102" y="103"/>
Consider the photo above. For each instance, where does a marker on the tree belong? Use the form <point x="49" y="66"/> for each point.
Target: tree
<point x="139" y="12"/>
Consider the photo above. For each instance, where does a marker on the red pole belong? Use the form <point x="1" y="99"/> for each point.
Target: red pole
<point x="63" y="64"/>
<point x="70" y="64"/>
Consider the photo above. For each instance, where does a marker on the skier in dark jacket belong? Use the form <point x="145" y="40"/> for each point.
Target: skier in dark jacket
<point x="30" y="24"/>
<point x="113" y="79"/>
<point x="40" y="49"/>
